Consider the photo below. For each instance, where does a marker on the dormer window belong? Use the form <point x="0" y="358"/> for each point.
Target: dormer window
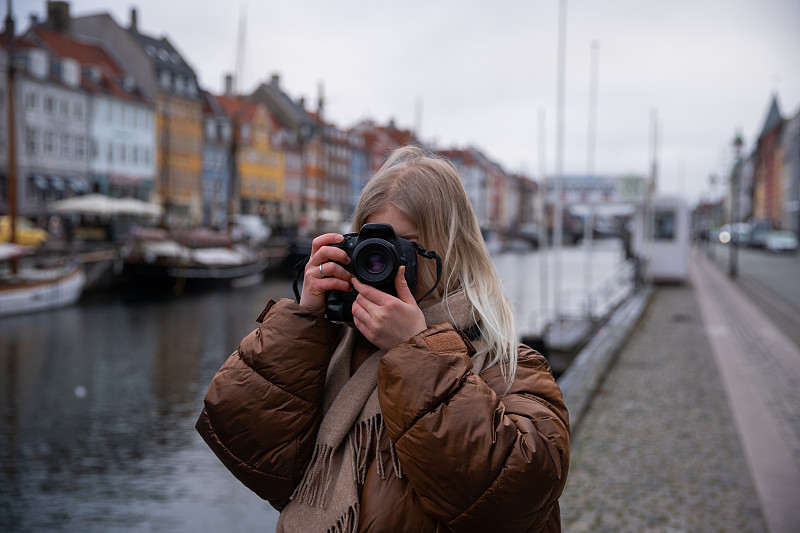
<point x="93" y="73"/>
<point x="165" y="79"/>
<point x="38" y="64"/>
<point x="129" y="83"/>
<point x="70" y="72"/>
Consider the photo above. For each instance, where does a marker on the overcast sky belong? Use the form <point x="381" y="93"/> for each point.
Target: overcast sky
<point x="480" y="73"/>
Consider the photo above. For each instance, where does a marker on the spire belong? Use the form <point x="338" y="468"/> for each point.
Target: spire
<point x="773" y="116"/>
<point x="320" y="99"/>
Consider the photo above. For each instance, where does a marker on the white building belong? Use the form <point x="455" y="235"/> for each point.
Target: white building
<point x="121" y="148"/>
<point x="51" y="130"/>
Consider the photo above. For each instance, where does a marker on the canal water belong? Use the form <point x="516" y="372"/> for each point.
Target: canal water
<point x="98" y="404"/>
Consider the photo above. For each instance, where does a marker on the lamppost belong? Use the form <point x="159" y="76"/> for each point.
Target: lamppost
<point x="713" y="216"/>
<point x="12" y="143"/>
<point x="733" y="267"/>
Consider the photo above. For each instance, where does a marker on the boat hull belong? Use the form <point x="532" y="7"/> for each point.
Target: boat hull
<point x="194" y="276"/>
<point x="42" y="291"/>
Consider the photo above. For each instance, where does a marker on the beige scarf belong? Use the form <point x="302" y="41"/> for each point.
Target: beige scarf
<point x="327" y="498"/>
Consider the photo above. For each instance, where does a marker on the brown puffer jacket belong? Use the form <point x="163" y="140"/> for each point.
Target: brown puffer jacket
<point x="475" y="458"/>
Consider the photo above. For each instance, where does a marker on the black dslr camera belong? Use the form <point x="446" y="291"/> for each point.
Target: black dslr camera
<point x="376" y="254"/>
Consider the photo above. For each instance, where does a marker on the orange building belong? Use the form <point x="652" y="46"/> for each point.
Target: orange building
<point x="179" y="164"/>
<point x="260" y="167"/>
<point x="767" y="188"/>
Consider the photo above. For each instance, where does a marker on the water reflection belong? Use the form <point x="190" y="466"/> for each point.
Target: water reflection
<point x="98" y="404"/>
<point x="98" y="409"/>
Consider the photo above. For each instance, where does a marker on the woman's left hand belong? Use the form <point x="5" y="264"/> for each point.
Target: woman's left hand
<point x="384" y="320"/>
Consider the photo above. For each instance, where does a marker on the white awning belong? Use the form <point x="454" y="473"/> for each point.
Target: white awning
<point x="99" y="204"/>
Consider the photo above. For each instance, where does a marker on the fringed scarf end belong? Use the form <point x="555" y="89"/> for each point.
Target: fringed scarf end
<point x="348" y="523"/>
<point x="313" y="489"/>
<point x="365" y="435"/>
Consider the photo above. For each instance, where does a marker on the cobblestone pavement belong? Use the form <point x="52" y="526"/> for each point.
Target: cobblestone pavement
<point x="658" y="450"/>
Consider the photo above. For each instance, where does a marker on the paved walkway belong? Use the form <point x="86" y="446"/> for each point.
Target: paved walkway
<point x="697" y="425"/>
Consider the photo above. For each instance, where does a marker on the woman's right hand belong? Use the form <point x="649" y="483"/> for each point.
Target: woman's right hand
<point x="322" y="274"/>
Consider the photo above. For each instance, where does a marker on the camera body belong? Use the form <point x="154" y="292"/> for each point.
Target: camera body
<point x="376" y="254"/>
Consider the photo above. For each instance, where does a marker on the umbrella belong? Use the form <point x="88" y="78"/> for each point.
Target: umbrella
<point x="99" y="204"/>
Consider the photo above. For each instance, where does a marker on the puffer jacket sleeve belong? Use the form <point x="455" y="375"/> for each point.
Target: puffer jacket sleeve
<point x="262" y="410"/>
<point x="480" y="459"/>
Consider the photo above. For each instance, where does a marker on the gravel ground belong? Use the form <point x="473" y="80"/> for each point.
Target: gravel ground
<point x="658" y="449"/>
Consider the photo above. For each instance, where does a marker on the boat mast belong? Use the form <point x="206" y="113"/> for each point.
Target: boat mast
<point x="12" y="141"/>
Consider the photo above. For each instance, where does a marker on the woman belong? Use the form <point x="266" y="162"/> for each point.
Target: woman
<point x="418" y="417"/>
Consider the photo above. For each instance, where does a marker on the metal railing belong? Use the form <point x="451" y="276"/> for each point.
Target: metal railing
<point x="598" y="303"/>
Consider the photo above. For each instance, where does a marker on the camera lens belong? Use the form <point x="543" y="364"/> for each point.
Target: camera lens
<point x="375" y="262"/>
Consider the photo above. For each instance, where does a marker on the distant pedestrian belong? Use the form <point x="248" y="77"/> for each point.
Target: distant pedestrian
<point x="423" y="414"/>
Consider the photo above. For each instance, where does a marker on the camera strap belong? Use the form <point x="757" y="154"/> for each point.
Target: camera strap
<point x="429" y="255"/>
<point x="299" y="270"/>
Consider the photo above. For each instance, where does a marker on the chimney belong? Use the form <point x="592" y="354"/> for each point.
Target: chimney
<point x="134" y="21"/>
<point x="320" y="99"/>
<point x="302" y="102"/>
<point x="275" y="81"/>
<point x="58" y="16"/>
<point x="34" y="20"/>
<point x="228" y="85"/>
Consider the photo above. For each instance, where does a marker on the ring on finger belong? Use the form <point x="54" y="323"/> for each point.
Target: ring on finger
<point x="320" y="272"/>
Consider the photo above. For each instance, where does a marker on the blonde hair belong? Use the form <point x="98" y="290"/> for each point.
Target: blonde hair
<point x="427" y="189"/>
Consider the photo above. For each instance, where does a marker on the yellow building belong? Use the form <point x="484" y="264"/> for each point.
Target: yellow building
<point x="179" y="170"/>
<point x="260" y="169"/>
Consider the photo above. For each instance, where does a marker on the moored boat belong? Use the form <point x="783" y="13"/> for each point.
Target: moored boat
<point x="159" y="259"/>
<point x="39" y="288"/>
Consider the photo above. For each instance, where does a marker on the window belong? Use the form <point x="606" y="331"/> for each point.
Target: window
<point x="31" y="141"/>
<point x="48" y="142"/>
<point x="31" y="100"/>
<point x="65" y="108"/>
<point x="110" y="153"/>
<point x="65" y="147"/>
<point x="50" y="105"/>
<point x="78" y="110"/>
<point x="165" y="79"/>
<point x="80" y="148"/>
<point x="664" y="225"/>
